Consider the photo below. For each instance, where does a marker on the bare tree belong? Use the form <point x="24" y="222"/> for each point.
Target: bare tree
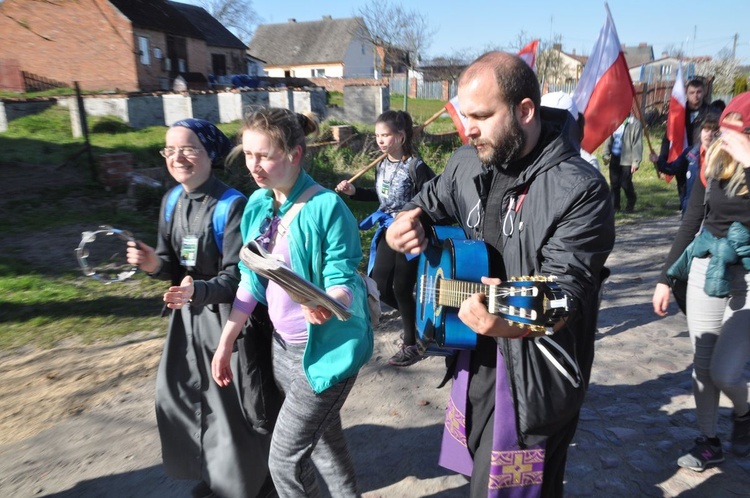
<point x="238" y="16"/>
<point x="449" y="67"/>
<point x="399" y="34"/>
<point x="522" y="39"/>
<point x="673" y="50"/>
<point x="549" y="62"/>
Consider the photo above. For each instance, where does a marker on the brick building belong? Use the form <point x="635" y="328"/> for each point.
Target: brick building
<point x="126" y="45"/>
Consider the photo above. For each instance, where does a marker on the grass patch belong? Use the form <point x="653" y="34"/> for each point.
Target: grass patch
<point x="43" y="310"/>
<point x="52" y="92"/>
<point x="423" y="109"/>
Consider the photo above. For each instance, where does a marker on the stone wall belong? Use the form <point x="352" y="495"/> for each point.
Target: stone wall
<point x="362" y="104"/>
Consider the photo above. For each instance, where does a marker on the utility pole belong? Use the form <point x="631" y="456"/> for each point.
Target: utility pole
<point x="734" y="46"/>
<point x="695" y="35"/>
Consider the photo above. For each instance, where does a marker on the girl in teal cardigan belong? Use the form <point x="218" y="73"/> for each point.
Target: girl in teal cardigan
<point x="316" y="356"/>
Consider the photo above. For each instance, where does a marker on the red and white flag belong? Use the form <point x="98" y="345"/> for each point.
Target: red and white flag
<point x="527" y="53"/>
<point x="676" y="130"/>
<point x="454" y="111"/>
<point x="605" y="92"/>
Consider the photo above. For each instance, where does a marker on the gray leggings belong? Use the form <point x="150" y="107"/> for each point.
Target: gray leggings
<point x="308" y="430"/>
<point x="720" y="333"/>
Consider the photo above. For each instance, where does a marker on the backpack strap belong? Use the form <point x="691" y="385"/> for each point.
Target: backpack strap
<point x="172" y="197"/>
<point x="411" y="165"/>
<point x="219" y="218"/>
<point x="221" y="213"/>
<point x="299" y="203"/>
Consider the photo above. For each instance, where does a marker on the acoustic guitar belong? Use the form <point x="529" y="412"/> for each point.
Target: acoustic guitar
<point x="450" y="270"/>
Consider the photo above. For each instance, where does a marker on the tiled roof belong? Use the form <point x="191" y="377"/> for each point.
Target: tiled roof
<point x="311" y="42"/>
<point x="158" y="15"/>
<point x="639" y="55"/>
<point x="215" y="34"/>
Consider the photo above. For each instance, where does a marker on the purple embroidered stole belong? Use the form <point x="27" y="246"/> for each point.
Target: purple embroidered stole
<point x="514" y="472"/>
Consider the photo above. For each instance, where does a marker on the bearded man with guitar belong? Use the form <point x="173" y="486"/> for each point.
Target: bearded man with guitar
<point x="542" y="211"/>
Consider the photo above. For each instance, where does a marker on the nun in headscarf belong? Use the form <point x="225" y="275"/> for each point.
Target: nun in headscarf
<point x="205" y="434"/>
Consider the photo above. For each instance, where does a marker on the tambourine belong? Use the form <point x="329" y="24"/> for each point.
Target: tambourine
<point x="102" y="254"/>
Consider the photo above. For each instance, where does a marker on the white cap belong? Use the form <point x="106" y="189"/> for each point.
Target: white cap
<point x="560" y="100"/>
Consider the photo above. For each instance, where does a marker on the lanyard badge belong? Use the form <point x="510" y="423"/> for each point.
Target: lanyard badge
<point x="189" y="250"/>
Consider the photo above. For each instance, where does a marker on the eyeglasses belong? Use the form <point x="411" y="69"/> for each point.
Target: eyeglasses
<point x="185" y="151"/>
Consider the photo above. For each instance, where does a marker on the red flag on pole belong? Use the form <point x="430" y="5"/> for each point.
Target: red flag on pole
<point x="605" y="92"/>
<point x="527" y="53"/>
<point x="676" y="130"/>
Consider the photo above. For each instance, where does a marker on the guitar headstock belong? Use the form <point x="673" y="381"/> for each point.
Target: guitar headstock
<point x="534" y="302"/>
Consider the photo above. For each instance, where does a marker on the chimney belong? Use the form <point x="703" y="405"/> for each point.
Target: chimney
<point x="327" y="18"/>
<point x="574" y="51"/>
<point x="557" y="46"/>
<point x="292" y="20"/>
<point x="643" y="45"/>
<point x="664" y="55"/>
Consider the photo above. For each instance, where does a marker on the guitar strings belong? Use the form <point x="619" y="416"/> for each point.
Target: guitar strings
<point x="501" y="291"/>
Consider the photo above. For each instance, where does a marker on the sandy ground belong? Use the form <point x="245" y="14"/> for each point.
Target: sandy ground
<point x="78" y="421"/>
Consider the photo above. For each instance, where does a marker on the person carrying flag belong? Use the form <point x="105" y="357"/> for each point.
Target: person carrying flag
<point x="696" y="111"/>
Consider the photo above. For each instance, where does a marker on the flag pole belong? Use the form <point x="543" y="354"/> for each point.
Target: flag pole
<point x="643" y="125"/>
<point x="418" y="129"/>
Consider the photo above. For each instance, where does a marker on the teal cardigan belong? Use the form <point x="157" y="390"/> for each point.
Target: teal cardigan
<point x="730" y="250"/>
<point x="324" y="248"/>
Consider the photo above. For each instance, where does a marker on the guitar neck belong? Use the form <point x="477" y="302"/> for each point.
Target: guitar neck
<point x="452" y="293"/>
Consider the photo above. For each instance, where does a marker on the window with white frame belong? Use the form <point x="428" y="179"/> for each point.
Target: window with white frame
<point x="318" y="73"/>
<point x="145" y="54"/>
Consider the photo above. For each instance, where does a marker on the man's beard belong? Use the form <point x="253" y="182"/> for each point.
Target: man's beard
<point x="506" y="146"/>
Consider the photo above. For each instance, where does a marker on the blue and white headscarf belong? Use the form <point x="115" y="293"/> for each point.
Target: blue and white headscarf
<point x="217" y="144"/>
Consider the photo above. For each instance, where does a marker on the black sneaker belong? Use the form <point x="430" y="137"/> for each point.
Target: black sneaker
<point x="741" y="435"/>
<point x="704" y="453"/>
<point x="407" y="355"/>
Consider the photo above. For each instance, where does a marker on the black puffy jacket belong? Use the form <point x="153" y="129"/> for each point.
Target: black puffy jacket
<point x="565" y="228"/>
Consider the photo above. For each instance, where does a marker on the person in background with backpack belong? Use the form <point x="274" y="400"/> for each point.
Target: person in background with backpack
<point x="715" y="263"/>
<point x="400" y="175"/>
<point x="204" y="432"/>
<point x="316" y="357"/>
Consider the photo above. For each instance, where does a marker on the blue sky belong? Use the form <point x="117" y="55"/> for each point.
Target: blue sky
<point x="699" y="27"/>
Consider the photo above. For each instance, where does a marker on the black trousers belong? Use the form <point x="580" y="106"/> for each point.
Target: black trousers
<point x="620" y="177"/>
<point x="396" y="277"/>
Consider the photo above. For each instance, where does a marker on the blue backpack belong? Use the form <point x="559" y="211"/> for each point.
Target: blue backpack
<point x="218" y="220"/>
